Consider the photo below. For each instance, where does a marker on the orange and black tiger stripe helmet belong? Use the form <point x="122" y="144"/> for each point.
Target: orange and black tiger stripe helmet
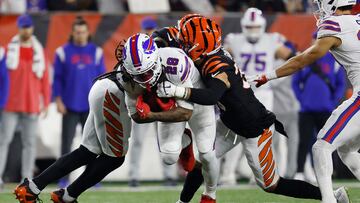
<point x="200" y="36"/>
<point x="173" y="32"/>
<point x="184" y="19"/>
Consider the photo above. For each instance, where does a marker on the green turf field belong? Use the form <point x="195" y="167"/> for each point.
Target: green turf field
<point x="155" y="194"/>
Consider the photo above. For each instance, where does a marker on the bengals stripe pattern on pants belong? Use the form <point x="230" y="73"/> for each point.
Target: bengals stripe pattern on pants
<point x="266" y="158"/>
<point x="114" y="128"/>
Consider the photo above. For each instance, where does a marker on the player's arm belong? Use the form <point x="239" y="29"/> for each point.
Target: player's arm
<point x="284" y="53"/>
<point x="178" y="114"/>
<point x="170" y="111"/>
<point x="309" y="56"/>
<point x="215" y="89"/>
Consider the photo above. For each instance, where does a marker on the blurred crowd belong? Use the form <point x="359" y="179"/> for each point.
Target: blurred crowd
<point x="121" y="6"/>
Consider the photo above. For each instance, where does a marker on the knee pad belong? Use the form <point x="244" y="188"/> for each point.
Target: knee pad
<point x="169" y="158"/>
<point x="322" y="145"/>
<point x="207" y="157"/>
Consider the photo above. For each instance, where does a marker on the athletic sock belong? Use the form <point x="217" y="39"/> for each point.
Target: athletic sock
<point x="297" y="189"/>
<point x="94" y="173"/>
<point x="33" y="187"/>
<point x="210" y="171"/>
<point x="67" y="197"/>
<point x="63" y="166"/>
<point x="193" y="181"/>
<point x="323" y="166"/>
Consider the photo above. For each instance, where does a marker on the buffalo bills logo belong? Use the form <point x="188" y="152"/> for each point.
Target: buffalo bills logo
<point x="149" y="46"/>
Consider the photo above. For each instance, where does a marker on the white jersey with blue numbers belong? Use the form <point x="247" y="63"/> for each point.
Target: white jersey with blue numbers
<point x="255" y="58"/>
<point x="180" y="70"/>
<point x="347" y="29"/>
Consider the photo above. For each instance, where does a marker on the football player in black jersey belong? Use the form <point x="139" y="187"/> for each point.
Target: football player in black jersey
<point x="241" y="113"/>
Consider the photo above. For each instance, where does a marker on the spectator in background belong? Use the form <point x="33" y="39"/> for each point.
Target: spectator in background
<point x="148" y="26"/>
<point x="29" y="80"/>
<point x="12" y="6"/>
<point x="319" y="89"/>
<point x="76" y="64"/>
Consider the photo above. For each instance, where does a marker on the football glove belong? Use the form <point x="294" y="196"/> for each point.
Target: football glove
<point x="167" y="89"/>
<point x="142" y="108"/>
<point x="262" y="79"/>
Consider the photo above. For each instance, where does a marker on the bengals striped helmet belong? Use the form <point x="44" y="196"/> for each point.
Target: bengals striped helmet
<point x="184" y="19"/>
<point x="199" y="36"/>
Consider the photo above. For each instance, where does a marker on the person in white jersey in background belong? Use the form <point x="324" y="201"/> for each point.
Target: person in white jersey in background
<point x="338" y="32"/>
<point x="254" y="52"/>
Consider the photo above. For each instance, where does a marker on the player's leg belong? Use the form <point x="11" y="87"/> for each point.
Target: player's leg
<point x="340" y="130"/>
<point x="351" y="160"/>
<point x="260" y="156"/>
<point x="170" y="136"/>
<point x="203" y="125"/>
<point x="225" y="141"/>
<point x="94" y="173"/>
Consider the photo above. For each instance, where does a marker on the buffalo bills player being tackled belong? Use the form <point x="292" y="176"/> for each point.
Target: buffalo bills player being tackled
<point x="339" y="33"/>
<point x="148" y="65"/>
<point x="241" y="112"/>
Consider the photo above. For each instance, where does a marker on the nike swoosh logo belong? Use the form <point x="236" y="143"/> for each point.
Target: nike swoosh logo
<point x="215" y="74"/>
<point x="141" y="110"/>
<point x="170" y="39"/>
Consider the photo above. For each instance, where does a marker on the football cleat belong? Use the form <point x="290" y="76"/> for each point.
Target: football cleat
<point x="57" y="196"/>
<point x="186" y="157"/>
<point x="342" y="195"/>
<point x="207" y="199"/>
<point x="24" y="194"/>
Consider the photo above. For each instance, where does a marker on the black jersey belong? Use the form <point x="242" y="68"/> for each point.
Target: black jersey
<point x="241" y="111"/>
<point x="166" y="37"/>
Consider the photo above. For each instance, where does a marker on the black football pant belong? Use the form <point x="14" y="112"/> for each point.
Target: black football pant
<point x="98" y="166"/>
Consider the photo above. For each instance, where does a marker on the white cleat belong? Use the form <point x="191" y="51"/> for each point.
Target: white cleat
<point x="341" y="195"/>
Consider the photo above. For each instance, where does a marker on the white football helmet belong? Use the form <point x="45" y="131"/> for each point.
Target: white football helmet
<point x="328" y="7"/>
<point x="141" y="59"/>
<point x="253" y="24"/>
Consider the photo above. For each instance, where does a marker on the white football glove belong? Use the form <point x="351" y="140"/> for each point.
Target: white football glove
<point x="167" y="89"/>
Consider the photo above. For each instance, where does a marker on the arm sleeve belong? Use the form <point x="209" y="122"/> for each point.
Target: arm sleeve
<point x="340" y="84"/>
<point x="329" y="27"/>
<point x="295" y="83"/>
<point x="58" y="73"/>
<point x="211" y="94"/>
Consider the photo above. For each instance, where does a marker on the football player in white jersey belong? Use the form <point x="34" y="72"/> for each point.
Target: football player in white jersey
<point x="339" y="33"/>
<point x="254" y="52"/>
<point x="148" y="65"/>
